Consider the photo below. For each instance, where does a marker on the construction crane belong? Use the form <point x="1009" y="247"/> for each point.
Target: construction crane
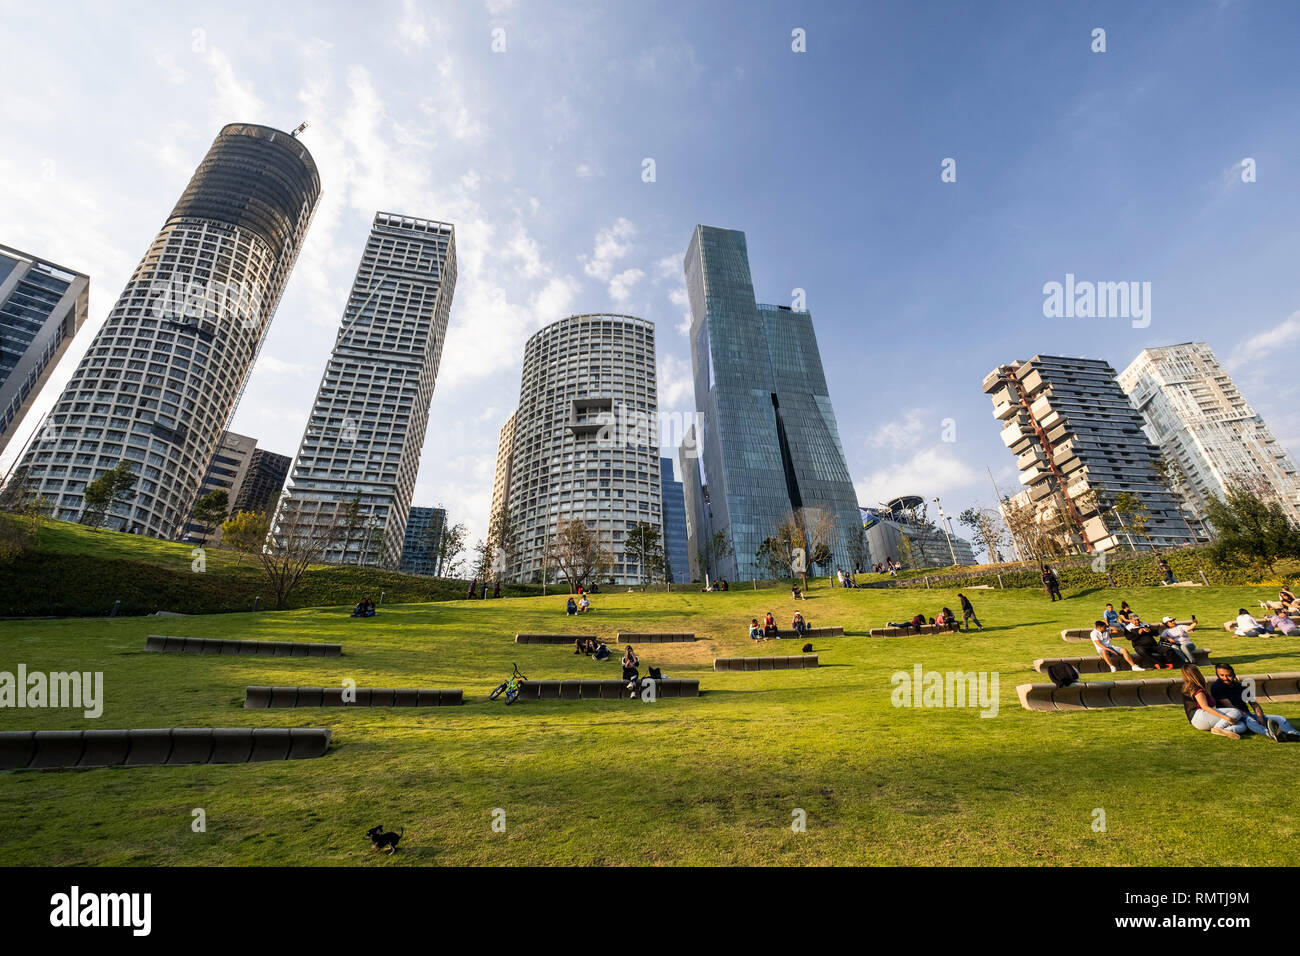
<point x="301" y="126"/>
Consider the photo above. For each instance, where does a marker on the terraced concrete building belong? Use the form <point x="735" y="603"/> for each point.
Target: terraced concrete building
<point x="161" y="379"/>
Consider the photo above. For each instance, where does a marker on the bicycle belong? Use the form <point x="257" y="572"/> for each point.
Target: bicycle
<point x="510" y="687"/>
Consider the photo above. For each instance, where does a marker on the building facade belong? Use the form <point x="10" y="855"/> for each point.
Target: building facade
<point x="501" y="479"/>
<point x="695" y="501"/>
<point x="769" y="441"/>
<point x="263" y="482"/>
<point x="420" y="545"/>
<point x="586" y="443"/>
<point x="1079" y="444"/>
<point x="1200" y="421"/>
<point x="927" y="545"/>
<point x="161" y="379"/>
<point x="42" y="305"/>
<point x="227" y="472"/>
<point x="360" y="453"/>
<point x="677" y="564"/>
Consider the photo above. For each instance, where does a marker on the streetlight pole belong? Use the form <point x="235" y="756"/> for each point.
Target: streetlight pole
<point x="945" y="532"/>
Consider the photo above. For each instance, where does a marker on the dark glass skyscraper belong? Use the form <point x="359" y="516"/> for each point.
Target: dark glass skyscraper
<point x="161" y="379"/>
<point x="769" y="443"/>
<point x="674" y="517"/>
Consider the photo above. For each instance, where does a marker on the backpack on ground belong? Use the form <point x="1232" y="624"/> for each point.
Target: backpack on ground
<point x="1063" y="674"/>
<point x="807" y="648"/>
<point x="656" y="674"/>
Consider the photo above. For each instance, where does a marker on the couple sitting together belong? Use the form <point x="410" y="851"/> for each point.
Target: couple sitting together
<point x="770" y="630"/>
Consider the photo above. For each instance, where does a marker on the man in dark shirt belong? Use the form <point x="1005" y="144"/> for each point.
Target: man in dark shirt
<point x="1228" y="691"/>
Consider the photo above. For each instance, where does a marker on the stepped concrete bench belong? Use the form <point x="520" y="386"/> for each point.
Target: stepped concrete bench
<point x="811" y="632"/>
<point x="627" y="637"/>
<point x="1079" y="635"/>
<point x="1094" y="665"/>
<point x="910" y="631"/>
<point x="765" y="663"/>
<point x="257" y="698"/>
<point x="50" y="749"/>
<point x="167" y="644"/>
<point x="555" y="638"/>
<point x="1149" y="692"/>
<point x="604" y="689"/>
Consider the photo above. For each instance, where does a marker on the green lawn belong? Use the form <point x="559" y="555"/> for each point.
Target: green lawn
<point x="712" y="780"/>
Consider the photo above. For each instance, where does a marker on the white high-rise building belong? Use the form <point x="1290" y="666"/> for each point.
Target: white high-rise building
<point x="161" y="379"/>
<point x="1198" y="418"/>
<point x="363" y="440"/>
<point x="585" y="443"/>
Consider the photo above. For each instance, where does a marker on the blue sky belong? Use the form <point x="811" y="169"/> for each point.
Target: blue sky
<point x="1114" y="166"/>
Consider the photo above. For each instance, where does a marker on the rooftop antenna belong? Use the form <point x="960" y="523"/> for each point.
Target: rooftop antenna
<point x="301" y="126"/>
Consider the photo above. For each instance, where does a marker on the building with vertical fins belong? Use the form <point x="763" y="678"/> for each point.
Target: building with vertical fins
<point x="677" y="564"/>
<point x="161" y="379"/>
<point x="696" y="504"/>
<point x="42" y="305"/>
<point x="1079" y="444"/>
<point x="361" y="448"/>
<point x="423" y="536"/>
<point x="1200" y="421"/>
<point x="769" y="442"/>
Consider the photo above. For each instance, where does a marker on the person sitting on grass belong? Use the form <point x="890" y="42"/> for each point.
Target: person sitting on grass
<point x="947" y="619"/>
<point x="1178" y="636"/>
<point x="769" y="625"/>
<point x="365" y="609"/>
<point x="1198" y="705"/>
<point x="1287" y="599"/>
<point x="571" y="608"/>
<point x="583" y="604"/>
<point x="1247" y="626"/>
<point x="755" y="632"/>
<point x="1107" y="651"/>
<point x="798" y="625"/>
<point x="602" y="652"/>
<point x="585" y="645"/>
<point x="1281" y="623"/>
<point x="1229" y="692"/>
<point x="796" y="593"/>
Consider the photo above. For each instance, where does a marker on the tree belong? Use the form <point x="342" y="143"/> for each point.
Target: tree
<point x="20" y="498"/>
<point x="1250" y="530"/>
<point x="114" y="487"/>
<point x="719" y="548"/>
<point x="295" y="542"/>
<point x="1132" y="514"/>
<point x="451" y="544"/>
<point x="859" y="554"/>
<point x="770" y="561"/>
<point x="503" y="537"/>
<point x="906" y="552"/>
<point x="644" y="544"/>
<point x="211" y="510"/>
<point x="819" y="532"/>
<point x="245" y="533"/>
<point x="482" y="561"/>
<point x="1038" y="534"/>
<point x="577" y="553"/>
<point x="987" y="528"/>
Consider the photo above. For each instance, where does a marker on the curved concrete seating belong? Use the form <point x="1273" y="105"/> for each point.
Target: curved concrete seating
<point x="555" y="638"/>
<point x="50" y="749"/>
<point x="603" y="689"/>
<point x="1095" y="665"/>
<point x="793" y="662"/>
<point x="1148" y="692"/>
<point x="811" y="632"/>
<point x="258" y="698"/>
<point x="628" y="637"/>
<point x="911" y="631"/>
<point x="166" y="644"/>
<point x="1079" y="635"/>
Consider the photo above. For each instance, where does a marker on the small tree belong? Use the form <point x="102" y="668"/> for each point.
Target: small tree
<point x="450" y="547"/>
<point x="211" y="510"/>
<point x="577" y="553"/>
<point x="643" y="543"/>
<point x="296" y="541"/>
<point x="115" y="486"/>
<point x="20" y="498"/>
<point x="482" y="561"/>
<point x="986" y="527"/>
<point x="859" y="554"/>
<point x="769" y="560"/>
<point x="1250" y="530"/>
<point x="719" y="548"/>
<point x="245" y="533"/>
<point x="503" y="537"/>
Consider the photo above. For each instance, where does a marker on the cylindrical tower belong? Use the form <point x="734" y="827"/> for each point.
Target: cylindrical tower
<point x="161" y="379"/>
<point x="586" y="438"/>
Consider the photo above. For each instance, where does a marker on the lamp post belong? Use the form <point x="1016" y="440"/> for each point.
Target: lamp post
<point x="945" y="531"/>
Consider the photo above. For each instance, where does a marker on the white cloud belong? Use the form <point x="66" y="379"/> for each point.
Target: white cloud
<point x="934" y="470"/>
<point x="234" y="100"/>
<point x="1268" y="344"/>
<point x="676" y="386"/>
<point x="620" y="287"/>
<point x="612" y="244"/>
<point x="555" y="300"/>
<point x="679" y="298"/>
<point x="412" y="31"/>
<point x="669" y="266"/>
<point x="903" y="433"/>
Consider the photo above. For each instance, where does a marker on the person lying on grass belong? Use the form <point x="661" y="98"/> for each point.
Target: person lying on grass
<point x="1229" y="692"/>
<point x="1198" y="706"/>
<point x="1282" y="624"/>
<point x="1107" y="651"/>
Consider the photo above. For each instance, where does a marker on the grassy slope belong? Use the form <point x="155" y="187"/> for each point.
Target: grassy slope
<point x="694" y="781"/>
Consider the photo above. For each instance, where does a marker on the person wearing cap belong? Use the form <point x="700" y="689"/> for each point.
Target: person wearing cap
<point x="1179" y="635"/>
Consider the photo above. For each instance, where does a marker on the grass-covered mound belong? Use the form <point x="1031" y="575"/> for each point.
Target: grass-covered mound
<point x="710" y="780"/>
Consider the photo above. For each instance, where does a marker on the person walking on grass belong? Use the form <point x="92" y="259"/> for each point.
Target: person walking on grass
<point x="1198" y="706"/>
<point x="1052" y="583"/>
<point x="968" y="613"/>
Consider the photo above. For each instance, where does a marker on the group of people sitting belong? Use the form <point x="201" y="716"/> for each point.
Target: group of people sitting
<point x="577" y="607"/>
<point x="1224" y="707"/>
<point x="891" y="566"/>
<point x="846" y="578"/>
<point x="592" y="647"/>
<point x="719" y="585"/>
<point x="1278" y="622"/>
<point x="1165" y="645"/>
<point x="768" y="629"/>
<point x="365" y="609"/>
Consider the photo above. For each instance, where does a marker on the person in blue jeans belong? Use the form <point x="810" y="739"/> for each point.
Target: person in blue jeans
<point x="1198" y="706"/>
<point x="1229" y="692"/>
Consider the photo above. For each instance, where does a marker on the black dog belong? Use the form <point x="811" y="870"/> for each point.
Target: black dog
<point x="380" y="840"/>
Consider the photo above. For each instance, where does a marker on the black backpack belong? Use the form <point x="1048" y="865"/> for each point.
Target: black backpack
<point x="1062" y="674"/>
<point x="807" y="648"/>
<point x="656" y="674"/>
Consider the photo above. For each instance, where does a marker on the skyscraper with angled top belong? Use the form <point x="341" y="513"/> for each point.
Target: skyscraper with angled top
<point x="356" y="467"/>
<point x="768" y="440"/>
